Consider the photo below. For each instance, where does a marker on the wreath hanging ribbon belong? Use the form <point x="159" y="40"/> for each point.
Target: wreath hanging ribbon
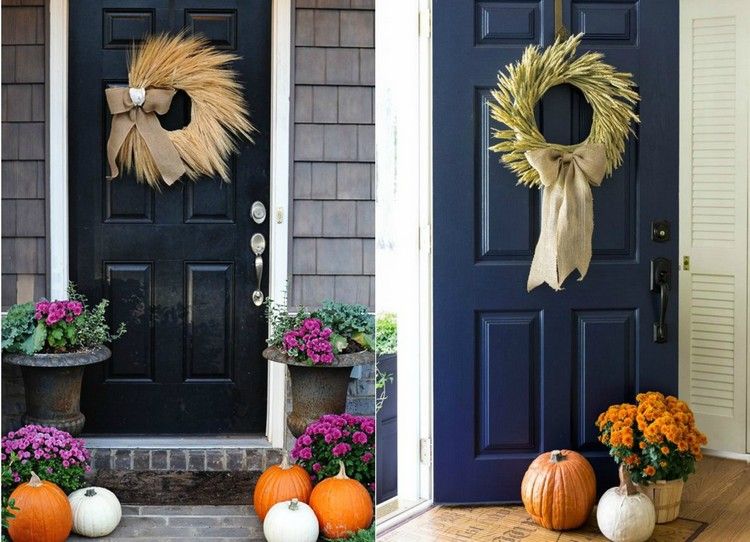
<point x="137" y="108"/>
<point x="567" y="211"/>
<point x="565" y="173"/>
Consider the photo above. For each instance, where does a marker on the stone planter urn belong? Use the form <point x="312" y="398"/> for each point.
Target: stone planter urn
<point x="317" y="389"/>
<point x="52" y="384"/>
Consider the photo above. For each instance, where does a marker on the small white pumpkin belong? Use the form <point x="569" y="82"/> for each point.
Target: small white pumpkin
<point x="96" y="511"/>
<point x="624" y="514"/>
<point x="291" y="521"/>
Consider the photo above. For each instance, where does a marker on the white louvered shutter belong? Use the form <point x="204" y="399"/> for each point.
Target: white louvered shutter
<point x="714" y="80"/>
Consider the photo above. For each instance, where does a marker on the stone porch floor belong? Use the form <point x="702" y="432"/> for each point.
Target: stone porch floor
<point x="172" y="523"/>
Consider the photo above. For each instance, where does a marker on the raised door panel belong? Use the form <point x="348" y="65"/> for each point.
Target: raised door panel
<point x="129" y="288"/>
<point x="124" y="27"/>
<point x="508" y="380"/>
<point x="219" y="26"/>
<point x="209" y="321"/>
<point x="503" y="22"/>
<point x="604" y="371"/>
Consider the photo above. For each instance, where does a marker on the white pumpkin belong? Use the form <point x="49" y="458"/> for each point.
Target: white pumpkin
<point x="96" y="511"/>
<point x="624" y="514"/>
<point x="291" y="521"/>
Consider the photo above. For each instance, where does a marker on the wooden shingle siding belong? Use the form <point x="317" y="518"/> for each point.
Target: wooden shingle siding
<point x="24" y="177"/>
<point x="333" y="214"/>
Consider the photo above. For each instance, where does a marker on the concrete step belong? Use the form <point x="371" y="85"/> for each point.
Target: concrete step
<point x="172" y="523"/>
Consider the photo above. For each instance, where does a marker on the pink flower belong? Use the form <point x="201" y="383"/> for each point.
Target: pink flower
<point x="341" y="449"/>
<point x="311" y="340"/>
<point x="333" y="436"/>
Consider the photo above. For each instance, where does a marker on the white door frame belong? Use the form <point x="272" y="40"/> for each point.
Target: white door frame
<point x="403" y="153"/>
<point x="281" y="84"/>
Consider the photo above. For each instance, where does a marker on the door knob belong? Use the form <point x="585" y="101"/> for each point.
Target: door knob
<point x="258" y="246"/>
<point x="661" y="283"/>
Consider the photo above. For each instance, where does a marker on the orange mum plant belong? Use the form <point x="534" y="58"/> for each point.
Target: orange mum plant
<point x="656" y="439"/>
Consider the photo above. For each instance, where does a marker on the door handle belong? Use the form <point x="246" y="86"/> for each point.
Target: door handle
<point x="661" y="283"/>
<point x="258" y="246"/>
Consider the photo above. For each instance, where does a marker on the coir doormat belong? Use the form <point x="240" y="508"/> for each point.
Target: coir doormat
<point x="512" y="524"/>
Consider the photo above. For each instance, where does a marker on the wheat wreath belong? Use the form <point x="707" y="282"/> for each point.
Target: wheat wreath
<point x="565" y="172"/>
<point x="160" y="66"/>
<point x="610" y="93"/>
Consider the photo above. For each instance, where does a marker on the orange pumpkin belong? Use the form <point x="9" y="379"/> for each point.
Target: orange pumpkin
<point x="342" y="505"/>
<point x="281" y="483"/>
<point x="559" y="489"/>
<point x="43" y="513"/>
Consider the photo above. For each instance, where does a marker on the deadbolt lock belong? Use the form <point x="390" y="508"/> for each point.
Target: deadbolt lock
<point x="660" y="231"/>
<point x="258" y="212"/>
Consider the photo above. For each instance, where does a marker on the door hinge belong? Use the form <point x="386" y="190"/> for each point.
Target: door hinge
<point x="425" y="23"/>
<point x="425" y="238"/>
<point x="686" y="263"/>
<point x="425" y="451"/>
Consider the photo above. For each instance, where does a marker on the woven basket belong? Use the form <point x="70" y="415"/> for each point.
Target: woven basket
<point x="666" y="497"/>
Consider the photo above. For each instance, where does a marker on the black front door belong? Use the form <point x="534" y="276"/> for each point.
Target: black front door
<point x="175" y="264"/>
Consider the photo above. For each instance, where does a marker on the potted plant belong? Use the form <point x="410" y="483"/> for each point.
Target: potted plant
<point x="53" y="341"/>
<point x="320" y="348"/>
<point x="659" y="443"/>
<point x="338" y="437"/>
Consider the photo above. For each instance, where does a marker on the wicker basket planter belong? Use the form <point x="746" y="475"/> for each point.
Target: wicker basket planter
<point x="666" y="497"/>
<point x="317" y="389"/>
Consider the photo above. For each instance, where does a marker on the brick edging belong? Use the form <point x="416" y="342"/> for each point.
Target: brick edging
<point x="184" y="459"/>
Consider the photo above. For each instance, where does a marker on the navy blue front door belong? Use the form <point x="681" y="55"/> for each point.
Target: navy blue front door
<point x="518" y="373"/>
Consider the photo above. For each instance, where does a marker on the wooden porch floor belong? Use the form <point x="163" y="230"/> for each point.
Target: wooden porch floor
<point x="718" y="494"/>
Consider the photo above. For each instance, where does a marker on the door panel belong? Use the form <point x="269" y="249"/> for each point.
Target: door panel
<point x="175" y="263"/>
<point x="519" y="373"/>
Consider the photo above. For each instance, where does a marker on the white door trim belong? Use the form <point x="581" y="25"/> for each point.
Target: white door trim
<point x="57" y="85"/>
<point x="281" y="100"/>
<point x="58" y="236"/>
<point x="403" y="153"/>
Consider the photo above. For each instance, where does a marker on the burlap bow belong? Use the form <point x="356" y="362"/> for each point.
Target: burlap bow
<point x="138" y="107"/>
<point x="567" y="211"/>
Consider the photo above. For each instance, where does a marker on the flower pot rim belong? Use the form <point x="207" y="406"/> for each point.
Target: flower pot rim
<point x="78" y="358"/>
<point x="341" y="360"/>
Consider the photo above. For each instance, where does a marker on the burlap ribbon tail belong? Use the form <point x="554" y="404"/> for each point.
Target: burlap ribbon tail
<point x="567" y="211"/>
<point x="132" y="107"/>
